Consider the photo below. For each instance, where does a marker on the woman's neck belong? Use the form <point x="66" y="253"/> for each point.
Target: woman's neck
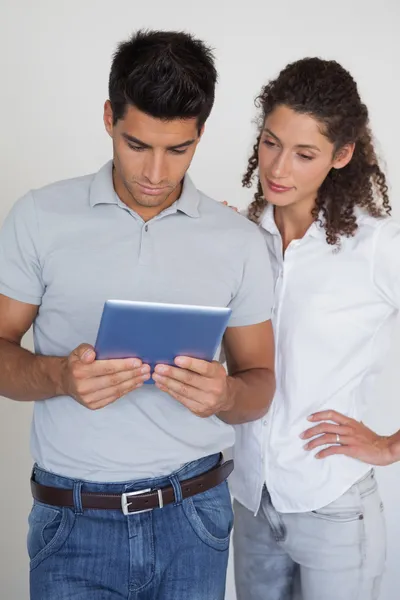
<point x="293" y="221"/>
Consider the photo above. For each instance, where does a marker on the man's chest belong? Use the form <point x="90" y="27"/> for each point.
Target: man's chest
<point x="142" y="263"/>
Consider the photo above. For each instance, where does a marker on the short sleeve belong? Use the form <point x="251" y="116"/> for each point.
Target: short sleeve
<point x="253" y="300"/>
<point x="20" y="269"/>
<point x="386" y="262"/>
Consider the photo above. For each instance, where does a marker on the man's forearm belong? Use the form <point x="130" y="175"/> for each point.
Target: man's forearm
<point x="250" y="395"/>
<point x="27" y="377"/>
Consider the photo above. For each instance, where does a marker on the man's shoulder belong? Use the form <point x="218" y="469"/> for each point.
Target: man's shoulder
<point x="54" y="199"/>
<point x="68" y="191"/>
<point x="225" y="217"/>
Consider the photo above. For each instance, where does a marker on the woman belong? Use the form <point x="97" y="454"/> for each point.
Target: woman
<point x="308" y="516"/>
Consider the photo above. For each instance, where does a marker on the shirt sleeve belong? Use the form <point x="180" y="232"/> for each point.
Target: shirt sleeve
<point x="386" y="262"/>
<point x="20" y="269"/>
<point x="253" y="300"/>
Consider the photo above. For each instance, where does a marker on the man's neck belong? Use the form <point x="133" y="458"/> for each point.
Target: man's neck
<point x="145" y="212"/>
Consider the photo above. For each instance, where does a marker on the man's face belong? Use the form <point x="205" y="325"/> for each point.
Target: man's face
<point x="151" y="157"/>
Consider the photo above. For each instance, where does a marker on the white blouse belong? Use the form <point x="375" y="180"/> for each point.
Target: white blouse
<point x="333" y="314"/>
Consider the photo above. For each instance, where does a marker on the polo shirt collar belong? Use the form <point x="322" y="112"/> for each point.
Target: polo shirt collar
<point x="102" y="192"/>
<point x="102" y="187"/>
<point x="189" y="200"/>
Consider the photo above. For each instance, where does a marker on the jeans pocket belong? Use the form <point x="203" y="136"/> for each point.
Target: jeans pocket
<point x="342" y="516"/>
<point x="345" y="509"/>
<point x="210" y="515"/>
<point x="49" y="529"/>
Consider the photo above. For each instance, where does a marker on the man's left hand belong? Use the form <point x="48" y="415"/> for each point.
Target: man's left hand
<point x="201" y="386"/>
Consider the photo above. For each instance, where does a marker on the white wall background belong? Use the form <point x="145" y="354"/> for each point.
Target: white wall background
<point x="54" y="63"/>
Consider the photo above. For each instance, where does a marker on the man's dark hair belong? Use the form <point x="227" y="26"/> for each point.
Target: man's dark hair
<point x="165" y="74"/>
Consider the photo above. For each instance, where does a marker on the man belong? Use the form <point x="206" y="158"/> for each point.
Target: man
<point x="130" y="492"/>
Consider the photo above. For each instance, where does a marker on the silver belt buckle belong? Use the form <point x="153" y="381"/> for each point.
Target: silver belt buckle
<point x="125" y="501"/>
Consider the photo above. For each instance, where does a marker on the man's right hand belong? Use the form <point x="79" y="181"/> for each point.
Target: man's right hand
<point x="97" y="383"/>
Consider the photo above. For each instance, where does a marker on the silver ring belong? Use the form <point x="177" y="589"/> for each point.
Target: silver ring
<point x="338" y="438"/>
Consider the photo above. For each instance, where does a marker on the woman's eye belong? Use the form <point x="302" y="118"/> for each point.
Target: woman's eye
<point x="269" y="143"/>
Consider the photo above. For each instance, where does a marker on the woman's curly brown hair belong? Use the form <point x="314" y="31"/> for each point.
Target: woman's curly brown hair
<point x="326" y="91"/>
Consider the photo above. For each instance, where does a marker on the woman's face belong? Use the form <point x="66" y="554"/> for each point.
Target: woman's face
<point x="294" y="157"/>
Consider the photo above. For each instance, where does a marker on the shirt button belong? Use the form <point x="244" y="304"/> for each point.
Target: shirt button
<point x="146" y="228"/>
<point x="265" y="422"/>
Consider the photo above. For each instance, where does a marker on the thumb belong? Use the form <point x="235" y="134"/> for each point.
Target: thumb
<point x="85" y="353"/>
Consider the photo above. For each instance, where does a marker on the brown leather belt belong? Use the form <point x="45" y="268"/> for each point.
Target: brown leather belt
<point x="137" y="501"/>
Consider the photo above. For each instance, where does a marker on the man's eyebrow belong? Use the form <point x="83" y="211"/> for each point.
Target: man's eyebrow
<point x="183" y="145"/>
<point x="135" y="140"/>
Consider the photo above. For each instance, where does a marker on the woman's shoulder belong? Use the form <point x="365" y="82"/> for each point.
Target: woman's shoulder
<point x="384" y="225"/>
<point x="378" y="238"/>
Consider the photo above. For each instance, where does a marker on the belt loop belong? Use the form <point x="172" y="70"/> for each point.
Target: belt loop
<point x="77" y="497"/>
<point x="176" y="484"/>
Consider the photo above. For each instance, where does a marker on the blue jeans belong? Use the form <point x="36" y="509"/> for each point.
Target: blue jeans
<point x="178" y="552"/>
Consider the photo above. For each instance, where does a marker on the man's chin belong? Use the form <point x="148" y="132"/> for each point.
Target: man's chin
<point x="151" y="201"/>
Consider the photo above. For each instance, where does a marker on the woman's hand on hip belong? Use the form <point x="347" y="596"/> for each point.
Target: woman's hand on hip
<point x="343" y="435"/>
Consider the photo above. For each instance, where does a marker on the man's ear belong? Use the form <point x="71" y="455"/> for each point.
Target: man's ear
<point x="108" y="118"/>
<point x="201" y="132"/>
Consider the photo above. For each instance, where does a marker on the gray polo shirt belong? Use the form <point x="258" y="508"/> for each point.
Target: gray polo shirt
<point x="70" y="246"/>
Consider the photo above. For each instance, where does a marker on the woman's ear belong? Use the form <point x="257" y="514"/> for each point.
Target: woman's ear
<point x="343" y="156"/>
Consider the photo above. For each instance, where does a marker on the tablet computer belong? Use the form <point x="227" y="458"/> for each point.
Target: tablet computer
<point x="158" y="333"/>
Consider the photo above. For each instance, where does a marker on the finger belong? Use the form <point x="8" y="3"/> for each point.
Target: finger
<point x="326" y="428"/>
<point x="202" y="367"/>
<point x="225" y="203"/>
<point x="105" y="382"/>
<point x="106" y="401"/>
<point x="345" y="450"/>
<point x="190" y="378"/>
<point x="110" y="400"/>
<point x="114" y="393"/>
<point x="84" y="353"/>
<point x="184" y="390"/>
<point x="111" y="366"/>
<point x="328" y="438"/>
<point x="99" y="400"/>
<point x="195" y="407"/>
<point x="330" y="415"/>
